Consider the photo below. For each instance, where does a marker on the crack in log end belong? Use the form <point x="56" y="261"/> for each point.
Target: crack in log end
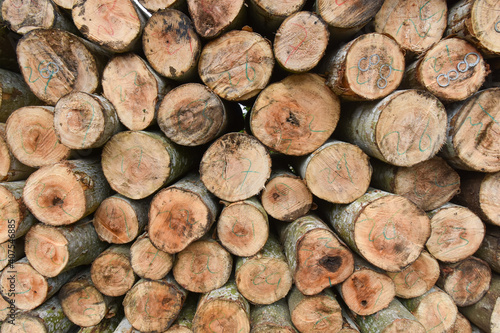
<point x="332" y="264"/>
<point x="292" y="119"/>
<point x="57" y="201"/>
<point x="364" y="303"/>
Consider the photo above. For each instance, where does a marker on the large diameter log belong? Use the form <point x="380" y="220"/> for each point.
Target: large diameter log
<point x="337" y="172"/>
<point x="243" y="227"/>
<point x="415" y="33"/>
<point x="237" y="65"/>
<point x="32" y="138"/>
<point x="368" y="68"/>
<point x="273" y="318"/>
<point x="268" y="15"/>
<point x="14" y="93"/>
<point x="152" y="306"/>
<point x="316" y="257"/>
<point x="171" y="44"/>
<point x="212" y="18"/>
<point x="186" y="210"/>
<point x="428" y="184"/>
<point x="10" y="252"/>
<point x="386" y="229"/>
<point x="53" y="250"/>
<point x="296" y="115"/>
<point x="381" y="128"/>
<point x="222" y="310"/>
<point x="456" y="233"/>
<point x="16" y="218"/>
<point x="473" y="128"/>
<point x="65" y="192"/>
<point x="137" y="163"/>
<point x="147" y="261"/>
<point x="452" y="70"/>
<point x="489" y="250"/>
<point x="184" y="322"/>
<point x="11" y="169"/>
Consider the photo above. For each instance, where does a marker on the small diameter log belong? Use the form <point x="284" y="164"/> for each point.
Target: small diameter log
<point x="473" y="129"/>
<point x="452" y="70"/>
<point x="120" y="220"/>
<point x="111" y="271"/>
<point x="386" y="229"/>
<point x="184" y="322"/>
<point x="272" y="318"/>
<point x="53" y="250"/>
<point x="316" y="257"/>
<point x="171" y="44"/>
<point x="477" y="21"/>
<point x="11" y="169"/>
<point x="147" y="261"/>
<point x="156" y="5"/>
<point x="428" y="184"/>
<point x="243" y="227"/>
<point x="152" y="306"/>
<point x="337" y="172"/>
<point x="268" y="15"/>
<point x="237" y="65"/>
<point x="212" y="18"/>
<point x="222" y="310"/>
<point x="418" y="278"/>
<point x="203" y="266"/>
<point x="466" y="281"/>
<point x="235" y="167"/>
<point x="16" y="219"/>
<point x="181" y="214"/>
<point x="489" y="250"/>
<point x="462" y="325"/>
<point x="315" y="314"/>
<point x="456" y="233"/>
<point x="296" y="115"/>
<point x="65" y="192"/>
<point x="435" y="310"/>
<point x="137" y="163"/>
<point x="55" y="63"/>
<point x="31" y="136"/>
<point x="368" y="68"/>
<point x="415" y="33"/>
<point x="14" y="93"/>
<point x="381" y="128"/>
<point x="10" y="252"/>
<point x="286" y="197"/>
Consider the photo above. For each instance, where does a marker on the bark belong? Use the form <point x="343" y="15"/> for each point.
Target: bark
<point x="272" y="318"/>
<point x="147" y="261"/>
<point x="489" y="250"/>
<point x="11" y="169"/>
<point x="268" y="15"/>
<point x="14" y="93"/>
<point x="184" y="321"/>
<point x="10" y="252"/>
<point x="16" y="218"/>
<point x="214" y="17"/>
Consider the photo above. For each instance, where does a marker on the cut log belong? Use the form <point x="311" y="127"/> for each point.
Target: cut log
<point x="107" y="325"/>
<point x="184" y="322"/>
<point x="462" y="325"/>
<point x="235" y="167"/>
<point x="53" y="250"/>
<point x="222" y="310"/>
<point x="381" y="128"/>
<point x="171" y="44"/>
<point x="212" y="18"/>
<point x="473" y="129"/>
<point x="186" y="209"/>
<point x="111" y="271"/>
<point x="14" y="93"/>
<point x="138" y="163"/>
<point x="428" y="184"/>
<point x="152" y="306"/>
<point x="16" y="218"/>
<point x="286" y="196"/>
<point x="315" y="314"/>
<point x="452" y="70"/>
<point x="125" y="327"/>
<point x="418" y="278"/>
<point x="120" y="220"/>
<point x="489" y="250"/>
<point x="243" y="227"/>
<point x="337" y="172"/>
<point x="31" y="137"/>
<point x="273" y="318"/>
<point x="415" y="33"/>
<point x="156" y="5"/>
<point x="456" y="233"/>
<point x="65" y="192"/>
<point x="147" y="261"/>
<point x="237" y="65"/>
<point x="11" y="169"/>
<point x="10" y="252"/>
<point x="316" y="257"/>
<point x="268" y="15"/>
<point x="348" y="324"/>
<point x="368" y="68"/>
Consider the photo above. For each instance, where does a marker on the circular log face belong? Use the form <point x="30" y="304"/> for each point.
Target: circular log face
<point x="347" y="14"/>
<point x="148" y="262"/>
<point x="11" y="214"/>
<point x="436" y="311"/>
<point x="280" y="8"/>
<point x="28" y="287"/>
<point x="24" y="16"/>
<point x="82" y="303"/>
<point x="115" y="221"/>
<point x="112" y="274"/>
<point x="211" y="17"/>
<point x="485" y="25"/>
<point x="489" y="197"/>
<point x="318" y="314"/>
<point x="25" y="323"/>
<point x="221" y="316"/>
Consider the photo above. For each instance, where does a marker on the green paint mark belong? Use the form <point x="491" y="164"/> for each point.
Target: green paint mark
<point x="224" y="170"/>
<point x="126" y="151"/>
<point x="448" y="53"/>
<point x="327" y="241"/>
<point x="415" y="27"/>
<point x="489" y="115"/>
<point x="428" y="137"/>
<point x="82" y="305"/>
<point x="307" y="259"/>
<point x="122" y="98"/>
<point x="407" y="278"/>
<point x="242" y="235"/>
<point x="264" y="279"/>
<point x="339" y="168"/>
<point x="446" y="232"/>
<point x="135" y="78"/>
<point x="434" y="65"/>
<point x="247" y="171"/>
<point x="207" y="266"/>
<point x="314" y="131"/>
<point x="321" y="319"/>
<point x="425" y="19"/>
<point x="59" y="203"/>
<point x="90" y="123"/>
<point x="397" y="145"/>
<point x="31" y="72"/>
<point x="246" y="70"/>
<point x="380" y="294"/>
<point x="178" y="114"/>
<point x="110" y="216"/>
<point x="37" y="125"/>
<point x="440" y="317"/>
<point x="152" y="260"/>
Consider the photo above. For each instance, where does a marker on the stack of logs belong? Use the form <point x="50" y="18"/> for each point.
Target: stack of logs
<point x="250" y="166"/>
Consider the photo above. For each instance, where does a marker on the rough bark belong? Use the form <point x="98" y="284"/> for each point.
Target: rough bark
<point x="149" y="262"/>
<point x="212" y="18"/>
<point x="272" y="318"/>
<point x="16" y="218"/>
<point x="489" y="250"/>
<point x="14" y="93"/>
<point x="11" y="169"/>
<point x="156" y="5"/>
<point x="184" y="322"/>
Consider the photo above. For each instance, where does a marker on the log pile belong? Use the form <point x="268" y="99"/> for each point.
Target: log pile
<point x="250" y="166"/>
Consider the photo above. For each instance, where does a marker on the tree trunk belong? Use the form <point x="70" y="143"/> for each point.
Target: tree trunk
<point x="10" y="252"/>
<point x="119" y="220"/>
<point x="381" y="128"/>
<point x="337" y="172"/>
<point x="316" y="257"/>
<point x="147" y="261"/>
<point x="107" y="325"/>
<point x="186" y="209"/>
<point x="10" y="167"/>
<point x="66" y="192"/>
<point x="489" y="250"/>
<point x="16" y="218"/>
<point x="296" y="115"/>
<point x="184" y="322"/>
<point x="237" y="65"/>
<point x="471" y="142"/>
<point x="428" y="184"/>
<point x="456" y="233"/>
<point x="243" y="227"/>
<point x="214" y="17"/>
<point x="268" y="15"/>
<point x="369" y="67"/>
<point x="14" y="93"/>
<point x="462" y="325"/>
<point x="138" y="163"/>
<point x="272" y="318"/>
<point x="53" y="250"/>
<point x="386" y="229"/>
<point x="152" y="306"/>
